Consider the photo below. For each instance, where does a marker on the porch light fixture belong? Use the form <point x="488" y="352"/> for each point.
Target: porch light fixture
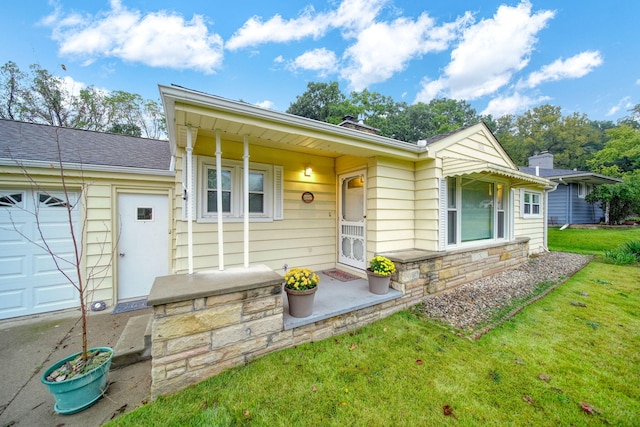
<point x="308" y="170"/>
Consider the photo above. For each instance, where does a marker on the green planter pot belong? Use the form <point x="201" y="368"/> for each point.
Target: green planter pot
<point x="80" y="392"/>
<point x="378" y="284"/>
<point x="300" y="302"/>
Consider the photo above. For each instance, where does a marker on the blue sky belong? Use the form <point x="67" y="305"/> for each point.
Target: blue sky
<point x="500" y="56"/>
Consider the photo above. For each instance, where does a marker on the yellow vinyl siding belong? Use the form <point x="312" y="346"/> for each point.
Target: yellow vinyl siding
<point x="529" y="227"/>
<point x="305" y="237"/>
<point x="391" y="206"/>
<point x="426" y="206"/>
<point x="98" y="217"/>
<point x="475" y="146"/>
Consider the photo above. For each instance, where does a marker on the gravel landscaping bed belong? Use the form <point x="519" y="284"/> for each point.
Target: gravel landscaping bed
<point x="473" y="304"/>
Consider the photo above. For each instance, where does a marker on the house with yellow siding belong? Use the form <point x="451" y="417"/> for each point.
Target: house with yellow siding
<point x="332" y="196"/>
<point x="259" y="191"/>
<point x="237" y="186"/>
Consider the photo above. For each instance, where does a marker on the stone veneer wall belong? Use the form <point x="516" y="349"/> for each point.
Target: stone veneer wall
<point x="197" y="338"/>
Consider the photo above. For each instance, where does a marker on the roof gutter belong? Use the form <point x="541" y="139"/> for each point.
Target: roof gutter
<point x="87" y="167"/>
<point x="171" y="94"/>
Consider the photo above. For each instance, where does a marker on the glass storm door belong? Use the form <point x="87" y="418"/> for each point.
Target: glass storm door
<point x="352" y="224"/>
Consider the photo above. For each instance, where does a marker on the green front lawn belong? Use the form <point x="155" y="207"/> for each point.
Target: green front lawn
<point x="569" y="359"/>
<point x="585" y="241"/>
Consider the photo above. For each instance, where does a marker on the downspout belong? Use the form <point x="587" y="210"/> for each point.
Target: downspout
<point x="246" y="201"/>
<point x="545" y="235"/>
<point x="219" y="201"/>
<point x="189" y="200"/>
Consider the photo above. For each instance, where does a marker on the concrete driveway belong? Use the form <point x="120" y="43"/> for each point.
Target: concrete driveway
<point x="29" y="345"/>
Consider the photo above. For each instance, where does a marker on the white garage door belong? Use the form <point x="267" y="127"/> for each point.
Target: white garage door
<point x="30" y="282"/>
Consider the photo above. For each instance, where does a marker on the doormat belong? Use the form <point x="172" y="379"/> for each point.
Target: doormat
<point x="343" y="276"/>
<point x="122" y="307"/>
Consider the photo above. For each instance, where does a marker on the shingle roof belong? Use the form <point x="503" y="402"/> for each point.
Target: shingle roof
<point x="34" y="142"/>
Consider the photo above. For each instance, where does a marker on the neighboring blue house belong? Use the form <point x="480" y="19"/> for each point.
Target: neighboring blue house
<point x="567" y="204"/>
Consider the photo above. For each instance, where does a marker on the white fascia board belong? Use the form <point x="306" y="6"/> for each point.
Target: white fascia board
<point x="171" y="94"/>
<point x="85" y="167"/>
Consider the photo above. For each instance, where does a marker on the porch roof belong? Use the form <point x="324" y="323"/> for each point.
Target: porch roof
<point x="458" y="167"/>
<point x="205" y="113"/>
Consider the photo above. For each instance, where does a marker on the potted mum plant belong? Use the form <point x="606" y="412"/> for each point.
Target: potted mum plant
<point x="379" y="274"/>
<point x="301" y="285"/>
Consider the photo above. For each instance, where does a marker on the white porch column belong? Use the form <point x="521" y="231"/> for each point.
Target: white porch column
<point x="219" y="201"/>
<point x="189" y="200"/>
<point x="246" y="201"/>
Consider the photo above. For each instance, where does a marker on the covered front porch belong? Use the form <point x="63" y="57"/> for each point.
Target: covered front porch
<point x="335" y="297"/>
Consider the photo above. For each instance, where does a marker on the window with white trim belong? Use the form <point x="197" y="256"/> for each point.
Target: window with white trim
<point x="531" y="205"/>
<point x="476" y="210"/>
<point x="265" y="191"/>
<point x="584" y="189"/>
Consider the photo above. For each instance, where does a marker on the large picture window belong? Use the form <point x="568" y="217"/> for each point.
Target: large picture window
<point x="476" y="210"/>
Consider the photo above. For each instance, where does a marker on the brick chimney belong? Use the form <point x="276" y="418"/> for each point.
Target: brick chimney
<point x="543" y="160"/>
<point x="350" y="122"/>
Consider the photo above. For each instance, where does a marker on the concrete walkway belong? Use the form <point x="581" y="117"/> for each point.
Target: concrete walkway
<point x="30" y="345"/>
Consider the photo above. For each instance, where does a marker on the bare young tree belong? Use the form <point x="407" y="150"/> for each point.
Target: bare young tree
<point x="84" y="278"/>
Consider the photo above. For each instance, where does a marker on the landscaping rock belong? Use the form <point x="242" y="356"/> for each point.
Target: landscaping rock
<point x="474" y="303"/>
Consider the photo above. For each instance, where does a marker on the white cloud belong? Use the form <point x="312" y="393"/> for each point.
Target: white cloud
<point x="512" y="104"/>
<point x="383" y="49"/>
<point x="351" y="16"/>
<point x="266" y="104"/>
<point x="322" y="60"/>
<point x="71" y="86"/>
<point x="575" y="67"/>
<point x="489" y="54"/>
<point x="638" y="82"/>
<point x="380" y="50"/>
<point x="625" y="103"/>
<point x="159" y="39"/>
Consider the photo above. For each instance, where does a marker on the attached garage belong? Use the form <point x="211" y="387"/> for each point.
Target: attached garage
<point x="30" y="282"/>
<point x="100" y="170"/>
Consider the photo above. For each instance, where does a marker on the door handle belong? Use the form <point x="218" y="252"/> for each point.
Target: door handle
<point x="121" y="254"/>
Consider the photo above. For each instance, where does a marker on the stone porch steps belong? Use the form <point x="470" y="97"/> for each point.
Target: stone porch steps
<point x="134" y="344"/>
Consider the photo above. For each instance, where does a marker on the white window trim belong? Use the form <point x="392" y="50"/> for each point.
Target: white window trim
<point x="273" y="188"/>
<point x="583" y="189"/>
<point x="444" y="209"/>
<point x="522" y="203"/>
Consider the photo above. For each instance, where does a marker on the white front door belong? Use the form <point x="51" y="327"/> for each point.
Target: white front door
<point x="30" y="281"/>
<point x="352" y="223"/>
<point x="143" y="247"/>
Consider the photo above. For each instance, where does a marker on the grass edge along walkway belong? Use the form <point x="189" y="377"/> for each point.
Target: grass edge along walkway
<point x="570" y="358"/>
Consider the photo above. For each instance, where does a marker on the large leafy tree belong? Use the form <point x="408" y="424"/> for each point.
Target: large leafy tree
<point x="325" y="102"/>
<point x="505" y="130"/>
<point x="571" y="139"/>
<point x="10" y="91"/>
<point x="317" y="101"/>
<point x="41" y="97"/>
<point x="620" y="200"/>
<point x="633" y="119"/>
<point x="420" y="121"/>
<point x="621" y="152"/>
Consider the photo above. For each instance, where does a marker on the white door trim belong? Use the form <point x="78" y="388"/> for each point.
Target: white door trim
<point x="352" y="219"/>
<point x="143" y="243"/>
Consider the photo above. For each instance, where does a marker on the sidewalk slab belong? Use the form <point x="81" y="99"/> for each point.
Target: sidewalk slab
<point x="30" y="345"/>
